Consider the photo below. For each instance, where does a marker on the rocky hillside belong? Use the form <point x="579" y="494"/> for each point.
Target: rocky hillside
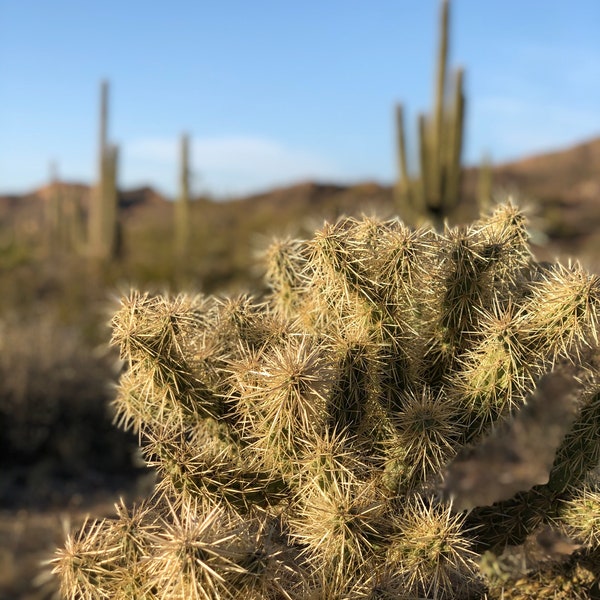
<point x="561" y="190"/>
<point x="564" y="188"/>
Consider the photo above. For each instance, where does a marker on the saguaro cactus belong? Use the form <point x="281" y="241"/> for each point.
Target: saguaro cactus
<point x="182" y="208"/>
<point x="103" y="208"/>
<point x="63" y="220"/>
<point x="333" y="440"/>
<point x="434" y="194"/>
<point x="54" y="223"/>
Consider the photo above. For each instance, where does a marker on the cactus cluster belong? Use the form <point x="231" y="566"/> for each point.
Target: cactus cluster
<point x="433" y="194"/>
<point x="408" y="414"/>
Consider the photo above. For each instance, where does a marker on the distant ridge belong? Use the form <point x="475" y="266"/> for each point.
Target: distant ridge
<point x="563" y="185"/>
<point x="572" y="171"/>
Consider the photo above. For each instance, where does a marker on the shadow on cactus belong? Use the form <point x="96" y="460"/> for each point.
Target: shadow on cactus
<point x="409" y="414"/>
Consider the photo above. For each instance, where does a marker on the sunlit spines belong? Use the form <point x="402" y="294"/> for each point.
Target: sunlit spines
<point x="151" y="333"/>
<point x="580" y="513"/>
<point x="427" y="432"/>
<point x="352" y="399"/>
<point x="560" y="317"/>
<point x="149" y="327"/>
<point x="364" y="244"/>
<point x="504" y="234"/>
<point x="339" y="281"/>
<point x="326" y="457"/>
<point x="129" y="533"/>
<point x="459" y="287"/>
<point x="331" y="257"/>
<point x="282" y="401"/>
<point x="106" y="559"/>
<point x="339" y="524"/>
<point x="403" y="259"/>
<point x="285" y="260"/>
<point x="341" y="273"/>
<point x="465" y="285"/>
<point x="244" y="318"/>
<point x="371" y="265"/>
<point x="75" y="565"/>
<point x="497" y="370"/>
<point x="431" y="552"/>
<point x="130" y="405"/>
<point x="191" y="558"/>
<point x="404" y="265"/>
<point x="332" y="276"/>
<point x="267" y="567"/>
<point x="201" y="466"/>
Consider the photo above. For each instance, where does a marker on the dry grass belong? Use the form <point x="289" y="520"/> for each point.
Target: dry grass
<point x="62" y="458"/>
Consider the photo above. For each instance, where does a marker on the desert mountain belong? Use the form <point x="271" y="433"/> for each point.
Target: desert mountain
<point x="562" y="188"/>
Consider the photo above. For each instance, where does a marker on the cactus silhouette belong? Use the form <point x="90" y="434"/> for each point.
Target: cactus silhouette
<point x="103" y="219"/>
<point x="339" y="437"/>
<point x="182" y="207"/>
<point x="434" y="194"/>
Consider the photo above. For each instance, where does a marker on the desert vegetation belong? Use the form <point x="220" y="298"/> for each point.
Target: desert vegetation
<point x="55" y="304"/>
<point x="341" y="391"/>
<point x="407" y="414"/>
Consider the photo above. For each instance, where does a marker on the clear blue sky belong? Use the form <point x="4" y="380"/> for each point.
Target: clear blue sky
<point x="279" y="91"/>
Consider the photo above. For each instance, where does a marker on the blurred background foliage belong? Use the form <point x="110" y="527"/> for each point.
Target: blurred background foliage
<point x="68" y="251"/>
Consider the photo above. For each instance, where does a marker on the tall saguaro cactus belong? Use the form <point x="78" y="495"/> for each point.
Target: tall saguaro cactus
<point x="434" y="194"/>
<point x="111" y="201"/>
<point x="54" y="224"/>
<point x="103" y="208"/>
<point x="182" y="207"/>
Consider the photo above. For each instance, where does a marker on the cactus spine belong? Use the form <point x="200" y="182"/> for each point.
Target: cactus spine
<point x="434" y="194"/>
<point x="324" y="442"/>
<point x="103" y="209"/>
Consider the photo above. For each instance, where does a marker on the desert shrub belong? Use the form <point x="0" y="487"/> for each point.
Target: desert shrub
<point x="408" y="414"/>
<point x="55" y="418"/>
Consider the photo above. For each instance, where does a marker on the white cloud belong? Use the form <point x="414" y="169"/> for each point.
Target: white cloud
<point x="227" y="165"/>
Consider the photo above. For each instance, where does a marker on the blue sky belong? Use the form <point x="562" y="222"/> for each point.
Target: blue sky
<point x="274" y="92"/>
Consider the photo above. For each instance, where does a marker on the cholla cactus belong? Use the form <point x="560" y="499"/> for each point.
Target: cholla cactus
<point x="335" y="440"/>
